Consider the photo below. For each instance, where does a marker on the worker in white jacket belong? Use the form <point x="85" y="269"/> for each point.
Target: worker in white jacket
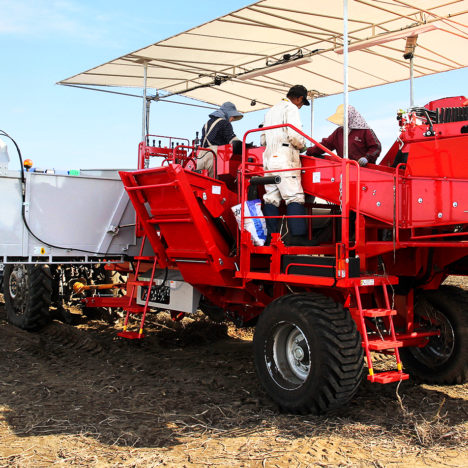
<point x="283" y="146"/>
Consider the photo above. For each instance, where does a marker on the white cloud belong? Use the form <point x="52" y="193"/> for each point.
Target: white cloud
<point x="49" y="19"/>
<point x="117" y="28"/>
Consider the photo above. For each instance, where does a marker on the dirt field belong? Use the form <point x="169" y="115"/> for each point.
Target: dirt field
<point x="188" y="396"/>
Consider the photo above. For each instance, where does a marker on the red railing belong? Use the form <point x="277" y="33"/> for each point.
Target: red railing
<point x="344" y="189"/>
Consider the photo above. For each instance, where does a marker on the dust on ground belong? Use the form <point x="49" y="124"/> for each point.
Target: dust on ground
<point x="187" y="395"/>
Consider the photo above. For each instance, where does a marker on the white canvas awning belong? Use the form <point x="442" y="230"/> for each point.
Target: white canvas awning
<point x="208" y="62"/>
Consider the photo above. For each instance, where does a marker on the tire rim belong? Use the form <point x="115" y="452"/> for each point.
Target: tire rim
<point x="17" y="287"/>
<point x="289" y="357"/>
<point x="439" y="349"/>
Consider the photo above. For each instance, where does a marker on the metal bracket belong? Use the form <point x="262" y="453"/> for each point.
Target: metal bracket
<point x="114" y="222"/>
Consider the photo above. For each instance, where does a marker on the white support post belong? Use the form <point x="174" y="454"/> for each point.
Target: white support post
<point x="312" y="115"/>
<point x="143" y="118"/>
<point x="411" y="82"/>
<point x="345" y="78"/>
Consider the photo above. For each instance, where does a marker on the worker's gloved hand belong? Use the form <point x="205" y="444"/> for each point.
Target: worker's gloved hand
<point x="363" y="162"/>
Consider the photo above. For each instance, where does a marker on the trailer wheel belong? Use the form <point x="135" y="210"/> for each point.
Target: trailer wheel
<point x="444" y="360"/>
<point x="27" y="293"/>
<point x="308" y="353"/>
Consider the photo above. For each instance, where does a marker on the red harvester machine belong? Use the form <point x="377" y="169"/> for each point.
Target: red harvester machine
<point x="393" y="233"/>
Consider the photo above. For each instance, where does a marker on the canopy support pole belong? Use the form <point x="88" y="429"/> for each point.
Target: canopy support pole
<point x="148" y="109"/>
<point x="345" y="78"/>
<point x="312" y="100"/>
<point x="144" y="114"/>
<point x="344" y="189"/>
<point x="411" y="82"/>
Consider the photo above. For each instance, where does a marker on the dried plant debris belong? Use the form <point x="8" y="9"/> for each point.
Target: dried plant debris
<point x="187" y="395"/>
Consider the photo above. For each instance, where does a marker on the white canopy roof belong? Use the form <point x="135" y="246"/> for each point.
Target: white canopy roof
<point x="258" y="37"/>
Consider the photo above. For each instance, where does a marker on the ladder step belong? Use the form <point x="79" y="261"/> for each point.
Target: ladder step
<point x="388" y="377"/>
<point x="377" y="344"/>
<point x="139" y="283"/>
<point x="378" y="312"/>
<point x="131" y="335"/>
<point x="135" y="309"/>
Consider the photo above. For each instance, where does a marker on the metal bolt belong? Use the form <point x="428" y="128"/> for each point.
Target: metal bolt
<point x="374" y="192"/>
<point x="298" y="353"/>
<point x="420" y="200"/>
<point x="378" y="203"/>
<point x="333" y="179"/>
<point x="220" y="260"/>
<point x="347" y="260"/>
<point x="364" y="188"/>
<point x="439" y="215"/>
<point x="204" y="196"/>
<point x="454" y="204"/>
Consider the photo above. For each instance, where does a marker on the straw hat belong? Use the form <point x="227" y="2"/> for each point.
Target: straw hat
<point x="338" y="117"/>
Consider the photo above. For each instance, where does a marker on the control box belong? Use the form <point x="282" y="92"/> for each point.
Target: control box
<point x="172" y="295"/>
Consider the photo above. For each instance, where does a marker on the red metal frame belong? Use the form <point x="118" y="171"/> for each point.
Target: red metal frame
<point x="146" y="151"/>
<point x="191" y="227"/>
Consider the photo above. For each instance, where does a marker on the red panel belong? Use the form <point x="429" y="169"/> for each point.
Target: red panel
<point x="182" y="205"/>
<point x="422" y="201"/>
<point x="441" y="157"/>
<point x="456" y="101"/>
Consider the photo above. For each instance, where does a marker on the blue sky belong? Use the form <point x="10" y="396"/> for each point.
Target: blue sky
<point x="44" y="41"/>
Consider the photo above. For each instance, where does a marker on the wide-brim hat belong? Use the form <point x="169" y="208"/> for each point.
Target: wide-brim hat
<point x="338" y="117"/>
<point x="231" y="111"/>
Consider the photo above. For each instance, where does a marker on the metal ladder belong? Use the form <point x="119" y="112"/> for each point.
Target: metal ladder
<point x="384" y="342"/>
<point x="132" y="307"/>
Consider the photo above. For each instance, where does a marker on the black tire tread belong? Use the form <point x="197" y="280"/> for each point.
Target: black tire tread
<point x="38" y="298"/>
<point x="453" y="302"/>
<point x="343" y="370"/>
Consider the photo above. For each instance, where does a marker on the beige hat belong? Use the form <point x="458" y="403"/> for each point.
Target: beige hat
<point x="338" y="117"/>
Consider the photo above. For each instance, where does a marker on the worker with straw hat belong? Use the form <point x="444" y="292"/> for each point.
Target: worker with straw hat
<point x="363" y="145"/>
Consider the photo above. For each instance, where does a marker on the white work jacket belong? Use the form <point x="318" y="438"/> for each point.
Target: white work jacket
<point x="282" y="144"/>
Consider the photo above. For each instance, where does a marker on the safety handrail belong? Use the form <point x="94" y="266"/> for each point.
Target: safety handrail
<point x="144" y="146"/>
<point x="344" y="190"/>
<point x="192" y="158"/>
<point x="170" y="138"/>
<point x="302" y="169"/>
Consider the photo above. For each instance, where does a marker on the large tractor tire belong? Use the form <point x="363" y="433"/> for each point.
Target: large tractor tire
<point x="444" y="360"/>
<point x="308" y="353"/>
<point x="27" y="292"/>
